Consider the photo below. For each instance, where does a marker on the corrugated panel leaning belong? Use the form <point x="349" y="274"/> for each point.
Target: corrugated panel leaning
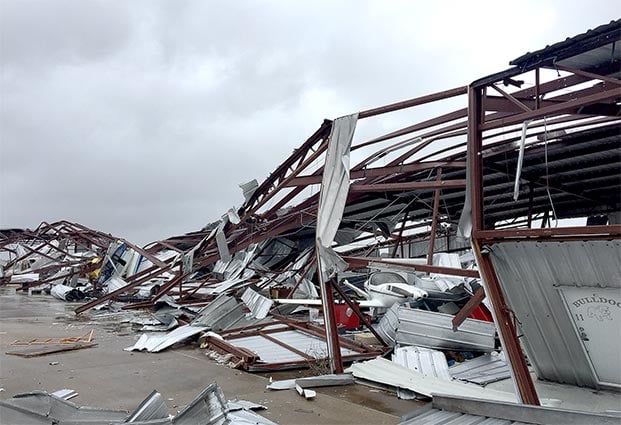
<point x="407" y="326"/>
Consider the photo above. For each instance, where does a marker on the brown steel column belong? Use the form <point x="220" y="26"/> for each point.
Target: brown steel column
<point x="506" y="328"/>
<point x="525" y="387"/>
<point x="475" y="143"/>
<point x="434" y="219"/>
<point x="336" y="362"/>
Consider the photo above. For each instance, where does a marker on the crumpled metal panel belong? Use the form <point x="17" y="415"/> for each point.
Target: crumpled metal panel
<point x="42" y="408"/>
<point x="224" y="313"/>
<point x="152" y="407"/>
<point x="208" y="408"/>
<point x="257" y="303"/>
<point x="481" y="370"/>
<point x="409" y="326"/>
<point x="271" y="352"/>
<point x="531" y="274"/>
<point x="157" y="342"/>
<point x="423" y="360"/>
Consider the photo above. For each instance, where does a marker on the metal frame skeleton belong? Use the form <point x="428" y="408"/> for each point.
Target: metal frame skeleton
<point x="431" y="168"/>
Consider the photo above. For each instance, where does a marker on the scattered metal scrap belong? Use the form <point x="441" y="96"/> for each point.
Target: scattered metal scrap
<point x="208" y="408"/>
<point x="467" y="410"/>
<point x="42" y="347"/>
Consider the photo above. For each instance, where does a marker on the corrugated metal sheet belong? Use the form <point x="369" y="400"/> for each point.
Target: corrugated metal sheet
<point x="481" y="370"/>
<point x="444" y="417"/>
<point x="257" y="303"/>
<point x="449" y="409"/>
<point x="389" y="373"/>
<point x="407" y="326"/>
<point x="156" y="342"/>
<point x="271" y="352"/>
<point x="422" y="360"/>
<point x="224" y="313"/>
<point x="531" y="274"/>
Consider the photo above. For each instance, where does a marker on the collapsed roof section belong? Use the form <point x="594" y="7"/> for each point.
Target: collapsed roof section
<point x="569" y="155"/>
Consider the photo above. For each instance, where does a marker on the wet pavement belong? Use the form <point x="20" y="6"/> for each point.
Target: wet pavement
<point x="108" y="377"/>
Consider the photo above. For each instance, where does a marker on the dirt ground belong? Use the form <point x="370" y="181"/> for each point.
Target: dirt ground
<point x="106" y="376"/>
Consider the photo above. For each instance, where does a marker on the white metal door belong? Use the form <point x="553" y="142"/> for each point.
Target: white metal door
<point x="597" y="315"/>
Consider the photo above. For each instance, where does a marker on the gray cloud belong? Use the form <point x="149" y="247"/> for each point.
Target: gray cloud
<point x="140" y="118"/>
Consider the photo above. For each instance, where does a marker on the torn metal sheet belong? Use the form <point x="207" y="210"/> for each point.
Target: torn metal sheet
<point x="223" y="313"/>
<point x="257" y="303"/>
<point x="284" y="384"/>
<point x="65" y="394"/>
<point x="208" y="408"/>
<point x="41" y="408"/>
<point x="407" y="326"/>
<point x="422" y="360"/>
<point x="482" y="370"/>
<point x="331" y="380"/>
<point x="152" y="407"/>
<point x="450" y="409"/>
<point x="390" y="373"/>
<point x="157" y="342"/>
<point x="284" y="344"/>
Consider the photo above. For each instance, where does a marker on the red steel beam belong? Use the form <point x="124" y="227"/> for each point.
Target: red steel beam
<point x="388" y="187"/>
<point x="413" y="102"/>
<point x="506" y="327"/>
<point x="380" y="171"/>
<point x="359" y="262"/>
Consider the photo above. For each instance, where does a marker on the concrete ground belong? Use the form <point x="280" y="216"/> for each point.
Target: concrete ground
<point x="106" y="376"/>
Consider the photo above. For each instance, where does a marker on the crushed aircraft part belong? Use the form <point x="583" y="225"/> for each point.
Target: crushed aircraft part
<point x="208" y="408"/>
<point x="67" y="293"/>
<point x="154" y="343"/>
<point x="457" y="409"/>
<point x="407" y="326"/>
<point x="482" y="370"/>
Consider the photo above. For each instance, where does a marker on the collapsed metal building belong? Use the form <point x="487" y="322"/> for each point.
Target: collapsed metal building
<point x="523" y="168"/>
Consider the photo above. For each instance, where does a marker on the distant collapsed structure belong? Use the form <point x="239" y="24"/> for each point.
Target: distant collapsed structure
<point x="530" y="147"/>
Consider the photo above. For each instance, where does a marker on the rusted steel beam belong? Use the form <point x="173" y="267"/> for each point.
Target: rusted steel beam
<point x="510" y="98"/>
<point x="413" y="102"/>
<point x="506" y="327"/>
<point x="286" y="346"/>
<point x="434" y="219"/>
<point x="442" y="119"/>
<point x="590" y="75"/>
<point x="380" y="171"/>
<point x="242" y="353"/>
<point x="602" y="232"/>
<point x="475" y="144"/>
<point x="400" y="236"/>
<point x="358" y="262"/>
<point x="138" y="278"/>
<point x="552" y="110"/>
<point x="265" y="188"/>
<point x="468" y="308"/>
<point x="388" y="187"/>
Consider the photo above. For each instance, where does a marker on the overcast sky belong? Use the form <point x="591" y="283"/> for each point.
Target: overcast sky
<point x="140" y="118"/>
